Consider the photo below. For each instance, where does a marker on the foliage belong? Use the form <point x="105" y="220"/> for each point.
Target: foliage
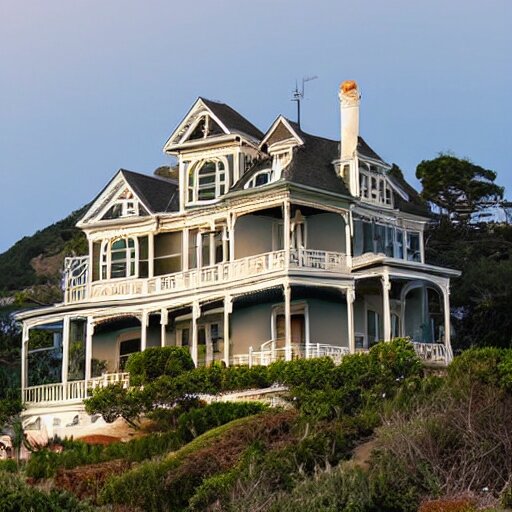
<point x="154" y="362"/>
<point x="17" y="272"/>
<point x="482" y="295"/>
<point x="10" y="343"/>
<point x="457" y="185"/>
<point x="115" y="401"/>
<point x="16" y="496"/>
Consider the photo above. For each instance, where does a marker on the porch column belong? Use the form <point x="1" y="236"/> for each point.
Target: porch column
<point x="350" y="295"/>
<point x="286" y="233"/>
<point x="90" y="267"/>
<point x="144" y="330"/>
<point x="196" y="313"/>
<point x="447" y="321"/>
<point x="199" y="254"/>
<point x="151" y="255"/>
<point x="231" y="235"/>
<point x="88" y="348"/>
<point x="24" y="359"/>
<point x="386" y="312"/>
<point x="228" y="309"/>
<point x="164" y="320"/>
<point x="348" y="239"/>
<point x="184" y="249"/>
<point x="287" y="322"/>
<point x="65" y="351"/>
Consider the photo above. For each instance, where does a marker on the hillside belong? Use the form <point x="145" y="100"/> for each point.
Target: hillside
<point x="37" y="260"/>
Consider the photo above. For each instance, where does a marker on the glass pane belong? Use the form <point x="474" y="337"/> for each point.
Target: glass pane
<point x="367" y="237"/>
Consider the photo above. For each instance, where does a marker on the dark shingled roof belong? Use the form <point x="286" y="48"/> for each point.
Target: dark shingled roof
<point x="364" y="150"/>
<point x="311" y="164"/>
<point x="233" y="121"/>
<point x="158" y="194"/>
<point x="415" y="205"/>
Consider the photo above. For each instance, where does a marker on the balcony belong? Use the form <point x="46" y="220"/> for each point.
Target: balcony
<point x="79" y="289"/>
<point x="73" y="391"/>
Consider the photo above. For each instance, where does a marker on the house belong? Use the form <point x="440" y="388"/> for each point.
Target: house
<point x="266" y="246"/>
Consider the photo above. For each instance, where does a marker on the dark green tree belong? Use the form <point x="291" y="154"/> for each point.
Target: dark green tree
<point x="457" y="185"/>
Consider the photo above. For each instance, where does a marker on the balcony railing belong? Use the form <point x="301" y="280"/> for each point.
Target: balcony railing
<point x="77" y="287"/>
<point x="273" y="350"/>
<point x="76" y="390"/>
<point x="433" y="352"/>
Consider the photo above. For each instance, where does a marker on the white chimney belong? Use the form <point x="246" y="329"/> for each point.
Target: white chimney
<point x="349" y="106"/>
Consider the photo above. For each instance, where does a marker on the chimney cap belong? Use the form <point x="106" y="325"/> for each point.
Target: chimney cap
<point x="347" y="86"/>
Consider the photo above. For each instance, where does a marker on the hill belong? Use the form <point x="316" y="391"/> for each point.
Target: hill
<point x="37" y="260"/>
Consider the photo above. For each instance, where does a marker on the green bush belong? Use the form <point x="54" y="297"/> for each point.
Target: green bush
<point x="17" y="496"/>
<point x="8" y="466"/>
<point x="314" y="373"/>
<point x="146" y="366"/>
<point x="197" y="421"/>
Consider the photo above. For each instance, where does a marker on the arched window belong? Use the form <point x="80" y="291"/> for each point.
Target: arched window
<point x="207" y="180"/>
<point x="118" y="258"/>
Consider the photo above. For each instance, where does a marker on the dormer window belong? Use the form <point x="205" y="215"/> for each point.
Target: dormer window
<point x="374" y="188"/>
<point x="260" y="178"/>
<point x="207" y="180"/>
<point x="282" y="159"/>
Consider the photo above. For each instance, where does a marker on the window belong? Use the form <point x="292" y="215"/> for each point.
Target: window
<point x="413" y="247"/>
<point x="126" y="348"/>
<point x="207" y="180"/>
<point x="373" y="326"/>
<point x="118" y="258"/>
<point x="375" y="188"/>
<point x="259" y="179"/>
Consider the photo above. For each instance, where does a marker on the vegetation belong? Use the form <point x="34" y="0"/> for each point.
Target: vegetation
<point x="457" y="185"/>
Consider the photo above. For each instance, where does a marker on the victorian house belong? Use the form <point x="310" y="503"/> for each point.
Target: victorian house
<point x="261" y="246"/>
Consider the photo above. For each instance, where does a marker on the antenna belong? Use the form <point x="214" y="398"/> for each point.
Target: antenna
<point x="298" y="95"/>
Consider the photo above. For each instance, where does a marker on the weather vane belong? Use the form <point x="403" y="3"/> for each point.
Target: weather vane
<point x="298" y="95"/>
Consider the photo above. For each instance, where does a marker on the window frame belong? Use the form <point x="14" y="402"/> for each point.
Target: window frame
<point x="219" y="186"/>
<point x="131" y="259"/>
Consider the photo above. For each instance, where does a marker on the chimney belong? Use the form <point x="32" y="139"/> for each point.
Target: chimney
<point x="349" y="106"/>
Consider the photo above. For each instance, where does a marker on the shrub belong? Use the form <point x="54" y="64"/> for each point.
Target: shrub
<point x="154" y="362"/>
<point x="314" y="373"/>
<point x="197" y="421"/>
<point x="115" y="401"/>
<point x="17" y="496"/>
<point x="8" y="466"/>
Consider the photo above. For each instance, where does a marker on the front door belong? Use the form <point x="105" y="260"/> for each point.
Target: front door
<point x="298" y="328"/>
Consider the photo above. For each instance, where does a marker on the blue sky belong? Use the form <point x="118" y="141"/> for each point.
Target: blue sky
<point x="88" y="87"/>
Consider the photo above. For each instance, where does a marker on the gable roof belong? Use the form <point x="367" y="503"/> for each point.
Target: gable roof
<point x="157" y="193"/>
<point x="232" y="120"/>
<point x="311" y="164"/>
<point x="279" y="127"/>
<point x="415" y="203"/>
<point x="364" y="150"/>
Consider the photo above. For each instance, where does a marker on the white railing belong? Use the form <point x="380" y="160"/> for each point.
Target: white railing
<point x="71" y="391"/>
<point x="77" y="289"/>
<point x="433" y="352"/>
<point x="75" y="278"/>
<point x="274" y="350"/>
<point x="367" y="258"/>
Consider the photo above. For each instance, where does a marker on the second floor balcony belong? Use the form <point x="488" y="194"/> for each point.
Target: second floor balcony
<point x="78" y="287"/>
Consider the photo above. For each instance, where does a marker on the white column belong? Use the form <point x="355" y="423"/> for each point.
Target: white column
<point x="88" y="347"/>
<point x="348" y="240"/>
<point x="386" y="312"/>
<point x="199" y="251"/>
<point x="144" y="330"/>
<point x="350" y="297"/>
<point x="184" y="249"/>
<point x="447" y="321"/>
<point x="65" y="349"/>
<point x="196" y="313"/>
<point x="24" y="359"/>
<point x="183" y="189"/>
<point x="151" y="255"/>
<point x="286" y="233"/>
<point x="228" y="309"/>
<point x="164" y="320"/>
<point x="287" y="322"/>
<point x="90" y="269"/>
<point x="209" y="344"/>
<point x="231" y="236"/>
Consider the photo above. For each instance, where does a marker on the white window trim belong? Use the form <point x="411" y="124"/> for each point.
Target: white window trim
<point x="106" y="258"/>
<point x="194" y="167"/>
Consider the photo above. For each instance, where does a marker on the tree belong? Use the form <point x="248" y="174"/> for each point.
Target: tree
<point x="457" y="185"/>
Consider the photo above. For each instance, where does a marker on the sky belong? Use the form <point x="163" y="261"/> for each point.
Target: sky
<point x="91" y="86"/>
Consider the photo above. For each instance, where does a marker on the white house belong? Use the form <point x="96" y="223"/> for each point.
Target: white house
<point x="266" y="246"/>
